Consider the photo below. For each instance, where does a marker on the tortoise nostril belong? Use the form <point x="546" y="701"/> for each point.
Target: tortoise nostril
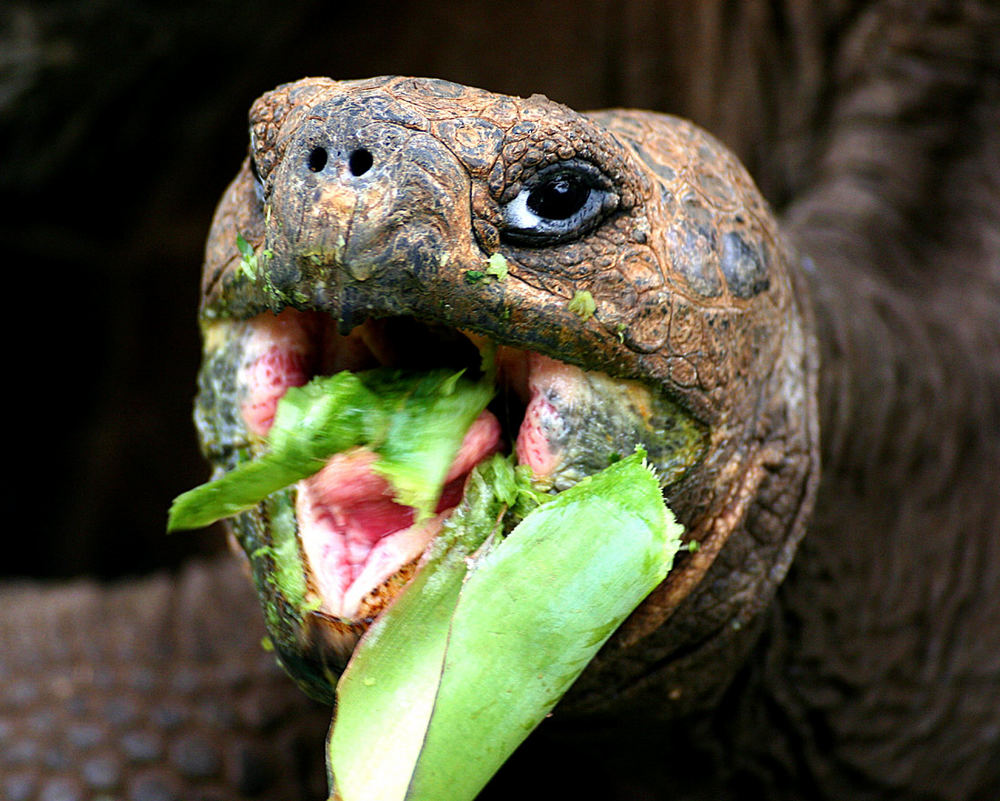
<point x="359" y="162"/>
<point x="317" y="159"/>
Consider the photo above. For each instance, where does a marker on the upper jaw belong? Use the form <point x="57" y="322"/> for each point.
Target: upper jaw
<point x="412" y="271"/>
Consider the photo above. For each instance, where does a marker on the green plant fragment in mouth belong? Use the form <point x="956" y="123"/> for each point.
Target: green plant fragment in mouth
<point x="491" y="632"/>
<point x="414" y="421"/>
<point x="512" y="601"/>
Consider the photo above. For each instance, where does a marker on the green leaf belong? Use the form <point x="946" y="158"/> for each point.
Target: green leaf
<point x="414" y="421"/>
<point x="386" y="694"/>
<point x="480" y="646"/>
<point x="425" y="432"/>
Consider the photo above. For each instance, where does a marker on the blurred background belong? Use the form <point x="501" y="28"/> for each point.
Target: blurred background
<point x="122" y="122"/>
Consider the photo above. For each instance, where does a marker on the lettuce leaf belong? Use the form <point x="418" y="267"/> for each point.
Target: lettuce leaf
<point x="487" y="637"/>
<point x="414" y="421"/>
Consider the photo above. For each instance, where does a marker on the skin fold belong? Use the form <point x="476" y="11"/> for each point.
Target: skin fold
<point x="873" y="673"/>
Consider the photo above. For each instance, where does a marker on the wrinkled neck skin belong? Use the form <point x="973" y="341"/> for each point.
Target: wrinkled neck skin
<point x="885" y="624"/>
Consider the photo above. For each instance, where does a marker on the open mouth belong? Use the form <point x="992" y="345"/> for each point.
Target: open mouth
<point x="628" y="280"/>
<point x="358" y="545"/>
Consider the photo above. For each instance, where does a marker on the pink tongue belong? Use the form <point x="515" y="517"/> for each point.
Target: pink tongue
<point x="360" y="502"/>
<point x="357" y="504"/>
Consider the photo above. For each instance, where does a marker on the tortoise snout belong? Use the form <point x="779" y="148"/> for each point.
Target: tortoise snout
<point x="362" y="207"/>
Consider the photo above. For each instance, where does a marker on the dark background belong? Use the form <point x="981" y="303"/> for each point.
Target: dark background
<point x="120" y="125"/>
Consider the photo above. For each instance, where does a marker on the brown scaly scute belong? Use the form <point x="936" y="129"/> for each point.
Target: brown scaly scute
<point x="374" y="208"/>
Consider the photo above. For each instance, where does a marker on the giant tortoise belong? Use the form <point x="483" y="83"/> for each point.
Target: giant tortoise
<point x="827" y="388"/>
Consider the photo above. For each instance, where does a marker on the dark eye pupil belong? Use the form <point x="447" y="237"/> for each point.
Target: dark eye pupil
<point x="559" y="198"/>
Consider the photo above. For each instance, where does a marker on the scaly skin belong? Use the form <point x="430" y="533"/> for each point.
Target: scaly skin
<point x="148" y="691"/>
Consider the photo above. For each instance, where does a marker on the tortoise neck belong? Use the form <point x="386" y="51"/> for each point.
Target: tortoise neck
<point x="910" y="364"/>
<point x="901" y="219"/>
<point x="903" y="543"/>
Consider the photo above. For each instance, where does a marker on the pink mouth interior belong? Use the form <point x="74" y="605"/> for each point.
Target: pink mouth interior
<point x="353" y="534"/>
<point x="357" y="536"/>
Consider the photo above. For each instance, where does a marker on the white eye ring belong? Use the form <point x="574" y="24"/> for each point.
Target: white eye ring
<point x="524" y="225"/>
<point x="517" y="214"/>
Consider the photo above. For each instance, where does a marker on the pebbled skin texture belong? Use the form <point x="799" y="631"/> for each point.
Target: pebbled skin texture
<point x="873" y="128"/>
<point x="149" y="691"/>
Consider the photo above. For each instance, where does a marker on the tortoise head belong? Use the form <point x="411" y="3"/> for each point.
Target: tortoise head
<point x="636" y="286"/>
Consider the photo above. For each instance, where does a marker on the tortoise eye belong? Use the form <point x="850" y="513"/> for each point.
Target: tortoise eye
<point x="558" y="204"/>
<point x="559" y="198"/>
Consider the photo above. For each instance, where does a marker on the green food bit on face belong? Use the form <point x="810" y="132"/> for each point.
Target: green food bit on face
<point x="505" y="626"/>
<point x="497" y="266"/>
<point x="248" y="258"/>
<point x="313" y="604"/>
<point x="582" y="304"/>
<point x="414" y="421"/>
<point x="287" y="573"/>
